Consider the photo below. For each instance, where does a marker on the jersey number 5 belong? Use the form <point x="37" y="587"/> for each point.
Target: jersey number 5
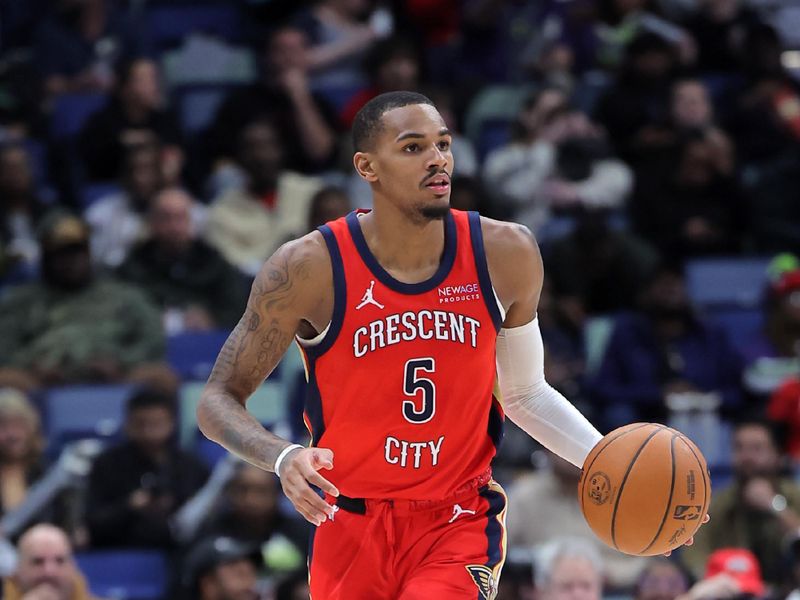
<point x="414" y="383"/>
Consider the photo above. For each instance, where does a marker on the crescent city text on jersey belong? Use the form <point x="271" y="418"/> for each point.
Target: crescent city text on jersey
<point x="409" y="326"/>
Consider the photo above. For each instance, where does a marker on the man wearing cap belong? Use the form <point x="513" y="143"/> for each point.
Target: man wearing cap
<point x="739" y="566"/>
<point x="222" y="568"/>
<point x="72" y="326"/>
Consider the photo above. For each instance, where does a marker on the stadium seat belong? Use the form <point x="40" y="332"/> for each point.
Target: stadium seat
<point x="74" y="412"/>
<point x="94" y="191"/>
<point x="124" y="574"/>
<point x="169" y="24"/>
<point x="741" y="324"/>
<point x="71" y="111"/>
<point x="717" y="283"/>
<point x="192" y="353"/>
<point x="198" y="104"/>
<point x="494" y="133"/>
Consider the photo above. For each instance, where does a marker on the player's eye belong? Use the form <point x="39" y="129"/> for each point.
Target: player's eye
<point x="411" y="148"/>
<point x="444" y="145"/>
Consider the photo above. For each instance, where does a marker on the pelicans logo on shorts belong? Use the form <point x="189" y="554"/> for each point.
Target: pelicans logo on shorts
<point x="484" y="579"/>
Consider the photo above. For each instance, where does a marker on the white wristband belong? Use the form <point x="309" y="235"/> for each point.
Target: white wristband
<point x="282" y="455"/>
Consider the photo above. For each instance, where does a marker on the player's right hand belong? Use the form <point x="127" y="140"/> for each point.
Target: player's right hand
<point x="298" y="470"/>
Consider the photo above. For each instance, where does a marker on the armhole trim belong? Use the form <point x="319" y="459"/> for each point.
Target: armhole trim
<point x="322" y="342"/>
<point x="490" y="298"/>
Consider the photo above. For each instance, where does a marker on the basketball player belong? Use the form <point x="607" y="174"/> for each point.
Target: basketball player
<point x="404" y="315"/>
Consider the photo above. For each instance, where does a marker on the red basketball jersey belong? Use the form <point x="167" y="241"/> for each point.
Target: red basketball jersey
<point x="402" y="381"/>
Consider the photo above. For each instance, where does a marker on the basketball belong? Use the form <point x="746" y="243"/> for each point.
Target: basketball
<point x="644" y="489"/>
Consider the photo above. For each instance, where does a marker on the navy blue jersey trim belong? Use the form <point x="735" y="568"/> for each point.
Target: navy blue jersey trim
<point x="314" y="404"/>
<point x="494" y="529"/>
<point x="339" y="295"/>
<point x="476" y="236"/>
<point x="445" y="266"/>
<point x="495" y="426"/>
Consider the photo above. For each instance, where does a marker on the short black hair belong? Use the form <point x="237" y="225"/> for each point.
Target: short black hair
<point x="367" y="123"/>
<point x="151" y="398"/>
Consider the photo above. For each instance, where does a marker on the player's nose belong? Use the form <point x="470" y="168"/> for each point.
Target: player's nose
<point x="436" y="159"/>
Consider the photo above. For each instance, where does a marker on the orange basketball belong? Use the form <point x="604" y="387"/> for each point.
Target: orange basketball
<point x="644" y="489"/>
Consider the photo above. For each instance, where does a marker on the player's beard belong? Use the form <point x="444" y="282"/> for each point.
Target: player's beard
<point x="434" y="212"/>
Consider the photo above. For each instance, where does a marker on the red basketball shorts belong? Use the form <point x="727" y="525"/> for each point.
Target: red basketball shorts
<point x="411" y="550"/>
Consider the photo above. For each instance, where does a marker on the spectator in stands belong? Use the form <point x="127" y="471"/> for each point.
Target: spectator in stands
<point x="46" y="569"/>
<point x="731" y="573"/>
<point x="222" y="568"/>
<point x="135" y="115"/>
<point x="720" y="28"/>
<point x="698" y="208"/>
<point x="21" y="209"/>
<point x="662" y="350"/>
<point x="293" y="587"/>
<point x="763" y="121"/>
<point x="21" y="447"/>
<point x="662" y="579"/>
<point x="339" y="41"/>
<point x="328" y="204"/>
<point x="191" y="282"/>
<point x="77" y="45"/>
<point x="569" y="569"/>
<point x="770" y="356"/>
<point x="136" y="486"/>
<point x="306" y="121"/>
<point x="691" y="110"/>
<point x="640" y="94"/>
<point x="557" y="163"/>
<point x="598" y="267"/>
<point x="72" y="326"/>
<point x="391" y="64"/>
<point x="618" y="22"/>
<point x="757" y="510"/>
<point x="543" y="505"/>
<point x="247" y="223"/>
<point x="117" y="219"/>
<point x="250" y="512"/>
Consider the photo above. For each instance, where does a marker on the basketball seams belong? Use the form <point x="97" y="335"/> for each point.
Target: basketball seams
<point x="625" y="478"/>
<point x="707" y="496"/>
<point x="588" y="468"/>
<point x="669" y="499"/>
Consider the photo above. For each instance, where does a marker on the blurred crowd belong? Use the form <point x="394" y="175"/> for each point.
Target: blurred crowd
<point x="154" y="152"/>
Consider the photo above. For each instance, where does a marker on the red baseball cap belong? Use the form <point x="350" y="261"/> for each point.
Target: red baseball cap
<point x="741" y="565"/>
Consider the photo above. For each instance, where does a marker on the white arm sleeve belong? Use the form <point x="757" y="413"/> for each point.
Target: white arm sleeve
<point x="534" y="405"/>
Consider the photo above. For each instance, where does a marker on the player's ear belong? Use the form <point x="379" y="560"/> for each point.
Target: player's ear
<point x="362" y="161"/>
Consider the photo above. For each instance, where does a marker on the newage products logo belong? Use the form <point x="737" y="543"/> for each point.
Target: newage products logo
<point x="459" y="293"/>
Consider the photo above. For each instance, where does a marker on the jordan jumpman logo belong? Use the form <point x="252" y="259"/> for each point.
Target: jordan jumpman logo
<point x="458" y="511"/>
<point x="368" y="299"/>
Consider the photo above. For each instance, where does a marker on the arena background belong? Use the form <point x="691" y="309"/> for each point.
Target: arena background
<point x="653" y="146"/>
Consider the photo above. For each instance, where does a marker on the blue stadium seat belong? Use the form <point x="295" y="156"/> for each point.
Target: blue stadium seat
<point x="716" y="283"/>
<point x="493" y="134"/>
<point x="94" y="411"/>
<point x="741" y="324"/>
<point x="124" y="574"/>
<point x="92" y="192"/>
<point x="71" y="111"/>
<point x="198" y="104"/>
<point x="192" y="354"/>
<point x="169" y="24"/>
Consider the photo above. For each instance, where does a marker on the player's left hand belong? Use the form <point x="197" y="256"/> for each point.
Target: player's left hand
<point x="298" y="470"/>
<point x="690" y="541"/>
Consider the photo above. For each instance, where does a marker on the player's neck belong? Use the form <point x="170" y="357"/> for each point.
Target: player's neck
<point x="404" y="248"/>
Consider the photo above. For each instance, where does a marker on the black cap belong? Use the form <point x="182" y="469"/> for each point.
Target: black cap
<point x="212" y="552"/>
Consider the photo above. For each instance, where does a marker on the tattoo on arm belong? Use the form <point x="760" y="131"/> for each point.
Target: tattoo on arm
<point x="253" y="349"/>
